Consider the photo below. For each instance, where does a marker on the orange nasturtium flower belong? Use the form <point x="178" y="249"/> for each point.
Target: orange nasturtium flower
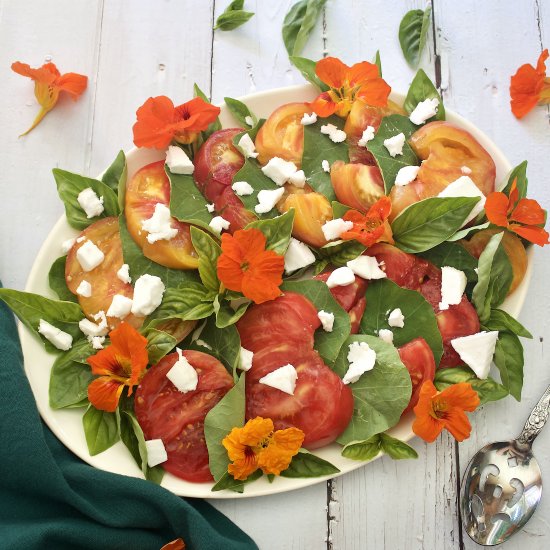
<point x="48" y="84"/>
<point x="437" y="410"/>
<point x="159" y="121"/>
<point x="257" y="445"/>
<point x="523" y="216"/>
<point x="177" y="544"/>
<point x="360" y="81"/>
<point x="120" y="364"/>
<point x="371" y="227"/>
<point x="246" y="266"/>
<point x="530" y="86"/>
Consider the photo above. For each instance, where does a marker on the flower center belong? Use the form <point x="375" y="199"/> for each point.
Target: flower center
<point x="439" y="408"/>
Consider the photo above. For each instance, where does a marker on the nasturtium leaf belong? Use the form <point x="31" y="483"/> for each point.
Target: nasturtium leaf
<point x="413" y="31"/>
<point x="422" y="88"/>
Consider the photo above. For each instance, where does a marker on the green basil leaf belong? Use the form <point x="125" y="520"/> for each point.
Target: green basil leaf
<point x="509" y="361"/>
<point x="422" y="88"/>
<point x="413" y="31"/>
<point x="430" y="222"/>
<point x="307" y="68"/>
<point x="299" y="23"/>
<point x="391" y="126"/>
<point x="228" y="482"/>
<point x="466" y="231"/>
<point x="378" y="62"/>
<point x="384" y="296"/>
<point x="380" y="395"/>
<point x="518" y="173"/>
<point x="213" y="126"/>
<point x="240" y="112"/>
<point x="339" y="209"/>
<point x="209" y="251"/>
<point x="56" y="280"/>
<point x="504" y="322"/>
<point x="396" y="448"/>
<point x="115" y="177"/>
<point x="339" y="253"/>
<point x="277" y="231"/>
<point x="363" y="450"/>
<point x="305" y="464"/>
<point x="159" y="343"/>
<point x="251" y="172"/>
<point x="226" y="315"/>
<point x="252" y="132"/>
<point x="70" y="185"/>
<point x="228" y="21"/>
<point x="100" y="430"/>
<point x="453" y="254"/>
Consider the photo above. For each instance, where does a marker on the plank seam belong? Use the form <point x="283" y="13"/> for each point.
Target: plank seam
<point x="458" y="509"/>
<point x="437" y="57"/>
<point x="212" y="47"/>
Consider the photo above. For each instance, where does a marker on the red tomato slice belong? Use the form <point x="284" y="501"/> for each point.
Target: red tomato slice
<point x="163" y="412"/>
<point x="356" y="314"/>
<point x="417" y="356"/>
<point x="231" y="208"/>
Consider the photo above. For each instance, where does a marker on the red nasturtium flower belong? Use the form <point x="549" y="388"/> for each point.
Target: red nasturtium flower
<point x="257" y="445"/>
<point x="159" y="121"/>
<point x="371" y="227"/>
<point x="246" y="266"/>
<point x="521" y="216"/>
<point x="437" y="410"/>
<point x="120" y="364"/>
<point x="360" y="81"/>
<point x="48" y="84"/>
<point x="530" y="86"/>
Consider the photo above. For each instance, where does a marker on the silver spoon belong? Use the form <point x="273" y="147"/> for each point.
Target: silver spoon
<point x="502" y="485"/>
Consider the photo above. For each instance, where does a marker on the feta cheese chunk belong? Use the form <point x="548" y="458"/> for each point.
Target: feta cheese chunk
<point x="406" y="175"/>
<point x="396" y="318"/>
<point x="148" y="292"/>
<point x="366" y="267"/>
<point x="335" y="135"/>
<point x="297" y="255"/>
<point x="394" y="145"/>
<point x="325" y="166"/>
<point x="308" y="119"/>
<point x="327" y="320"/>
<point x="386" y="335"/>
<point x="210" y="208"/>
<point x="279" y="170"/>
<point x="298" y="179"/>
<point x="80" y="239"/>
<point x="159" y="225"/>
<point x="97" y="341"/>
<point x="182" y="374"/>
<point x="246" y="145"/>
<point x="465" y="170"/>
<point x="67" y="245"/>
<point x="341" y="276"/>
<point x="217" y="223"/>
<point x="242" y="188"/>
<point x="102" y="320"/>
<point x="249" y="120"/>
<point x="361" y="358"/>
<point x="368" y="135"/>
<point x="178" y="162"/>
<point x="453" y="283"/>
<point x="334" y="228"/>
<point x="61" y="340"/>
<point x="246" y="359"/>
<point x="424" y="110"/>
<point x="120" y="306"/>
<point x="90" y="202"/>
<point x="92" y="329"/>
<point x="284" y="379"/>
<point x="124" y="274"/>
<point x="84" y="289"/>
<point x="477" y="351"/>
<point x="156" y="453"/>
<point x="268" y="199"/>
<point x="89" y="256"/>
<point x="465" y="187"/>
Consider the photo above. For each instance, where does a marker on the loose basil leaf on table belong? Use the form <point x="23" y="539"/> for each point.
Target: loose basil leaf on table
<point x="299" y="23"/>
<point x="100" y="430"/>
<point x="240" y="112"/>
<point x="209" y="251"/>
<point x="56" y="280"/>
<point x="509" y="361"/>
<point x="277" y="231"/>
<point x="233" y="17"/>
<point x="382" y="442"/>
<point x="452" y="254"/>
<point x="305" y="464"/>
<point x="422" y="88"/>
<point x="413" y="31"/>
<point x="307" y="68"/>
<point x="115" y="177"/>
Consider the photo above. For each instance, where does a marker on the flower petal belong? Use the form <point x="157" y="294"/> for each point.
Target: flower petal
<point x="457" y="423"/>
<point x="526" y="86"/>
<point x="277" y="456"/>
<point x="45" y="74"/>
<point x="261" y="281"/>
<point x="323" y="105"/>
<point x="72" y="83"/>
<point x="528" y="212"/>
<point x="361" y="73"/>
<point x="496" y="208"/>
<point x="536" y="235"/>
<point x="375" y="92"/>
<point x="427" y="427"/>
<point x="332" y="71"/>
<point x="105" y="362"/>
<point x="196" y="115"/>
<point x="460" y="395"/>
<point x="154" y="126"/>
<point x="381" y="208"/>
<point x="104" y="393"/>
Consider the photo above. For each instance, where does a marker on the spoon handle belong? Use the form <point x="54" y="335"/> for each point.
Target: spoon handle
<point x="537" y="419"/>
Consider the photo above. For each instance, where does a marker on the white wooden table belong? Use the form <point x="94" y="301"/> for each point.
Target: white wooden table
<point x="135" y="49"/>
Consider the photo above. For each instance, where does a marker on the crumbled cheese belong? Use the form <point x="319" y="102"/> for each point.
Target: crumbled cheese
<point x="203" y="344"/>
<point x="246" y="359"/>
<point x="328" y="129"/>
<point x="246" y="145"/>
<point x="178" y="162"/>
<point x="67" y="245"/>
<point x="279" y="170"/>
<point x="92" y="329"/>
<point x="465" y="187"/>
<point x="396" y="318"/>
<point x="249" y="120"/>
<point x="341" y="276"/>
<point x="325" y="165"/>
<point x="406" y="175"/>
<point x="327" y="320"/>
<point x="183" y="375"/>
<point x="361" y="358"/>
<point x="148" y="292"/>
<point x="80" y="239"/>
<point x="332" y="229"/>
<point x="386" y="334"/>
<point x="97" y="341"/>
<point x="61" y="340"/>
<point x="298" y="179"/>
<point x="242" y="188"/>
<point x="309" y="118"/>
<point x="394" y="145"/>
<point x="156" y="453"/>
<point x="477" y="351"/>
<point x="84" y="289"/>
<point x="89" y="256"/>
<point x="158" y="226"/>
<point x="90" y="202"/>
<point x="366" y="267"/>
<point x="120" y="306"/>
<point x="268" y="199"/>
<point x="465" y="170"/>
<point x="424" y="110"/>
<point x="335" y="135"/>
<point x="368" y="135"/>
<point x="217" y="223"/>
<point x="297" y="256"/>
<point x="453" y="283"/>
<point x="210" y="208"/>
<point x="124" y="274"/>
<point x="102" y="318"/>
<point x="284" y="379"/>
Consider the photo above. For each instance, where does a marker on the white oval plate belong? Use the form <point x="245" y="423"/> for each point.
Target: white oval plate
<point x="67" y="424"/>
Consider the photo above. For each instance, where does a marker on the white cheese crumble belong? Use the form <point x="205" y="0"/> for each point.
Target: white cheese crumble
<point x="279" y="170"/>
<point x="386" y="335"/>
<point x="210" y="208"/>
<point x="361" y="358"/>
<point x="268" y="199"/>
<point x="406" y="175"/>
<point x="477" y="351"/>
<point x="341" y="276"/>
<point x="120" y="306"/>
<point x="67" y="245"/>
<point x="102" y="320"/>
<point x="453" y="283"/>
<point x="249" y="120"/>
<point x="325" y="166"/>
<point x="182" y="374"/>
<point x="309" y="118"/>
<point x="158" y="225"/>
<point x="246" y="145"/>
<point x="335" y="135"/>
<point x="242" y="188"/>
<point x="327" y="320"/>
<point x="178" y="162"/>
<point x="156" y="453"/>
<point x="90" y="202"/>
<point x="89" y="256"/>
<point x="368" y="135"/>
<point x="246" y="359"/>
<point x="148" y="292"/>
<point x="84" y="289"/>
<point x="284" y="379"/>
<point x="61" y="340"/>
<point x="297" y="256"/>
<point x="92" y="329"/>
<point x="217" y="223"/>
<point x="424" y="110"/>
<point x="465" y="170"/>
<point x="366" y="267"/>
<point x="394" y="145"/>
<point x="298" y="179"/>
<point x="334" y="228"/>
<point x="396" y="318"/>
<point x="124" y="274"/>
<point x="465" y="187"/>
<point x="97" y="341"/>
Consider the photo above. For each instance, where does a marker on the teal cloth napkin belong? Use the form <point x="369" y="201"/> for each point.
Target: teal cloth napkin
<point x="50" y="499"/>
